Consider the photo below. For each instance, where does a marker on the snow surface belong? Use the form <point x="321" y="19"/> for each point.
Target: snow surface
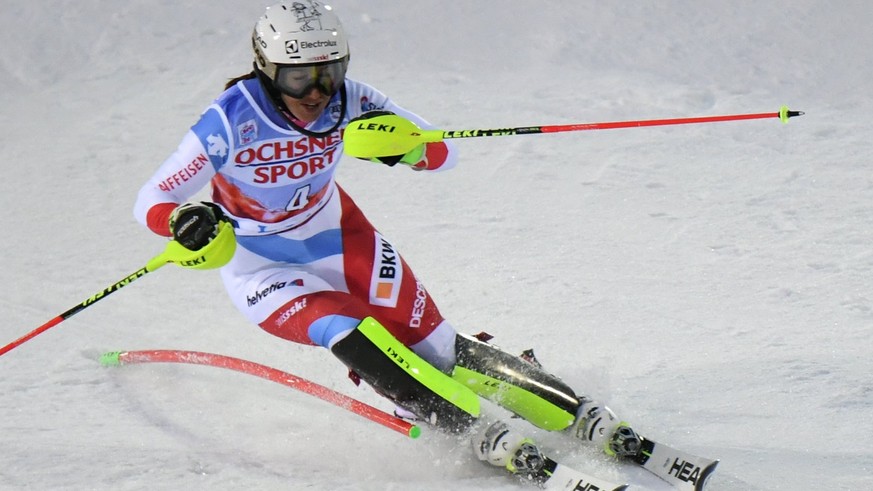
<point x="712" y="282"/>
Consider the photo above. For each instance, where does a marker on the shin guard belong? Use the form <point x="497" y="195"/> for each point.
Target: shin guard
<point x="515" y="384"/>
<point x="399" y="374"/>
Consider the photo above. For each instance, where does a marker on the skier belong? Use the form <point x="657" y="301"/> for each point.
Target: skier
<point x="309" y="267"/>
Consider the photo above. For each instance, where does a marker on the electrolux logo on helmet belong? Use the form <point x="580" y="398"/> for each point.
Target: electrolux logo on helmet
<point x="318" y="44"/>
<point x="293" y="46"/>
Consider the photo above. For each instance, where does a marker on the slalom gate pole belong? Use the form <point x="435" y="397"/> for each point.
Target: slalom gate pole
<point x="390" y="421"/>
<point x="389" y="134"/>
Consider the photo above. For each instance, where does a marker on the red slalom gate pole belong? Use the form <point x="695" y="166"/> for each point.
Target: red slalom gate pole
<point x="390" y="421"/>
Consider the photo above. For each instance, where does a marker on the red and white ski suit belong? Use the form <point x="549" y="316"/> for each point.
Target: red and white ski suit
<point x="309" y="266"/>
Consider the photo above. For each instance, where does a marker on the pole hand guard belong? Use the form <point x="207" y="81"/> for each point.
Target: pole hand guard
<point x="384" y="134"/>
<point x="218" y="252"/>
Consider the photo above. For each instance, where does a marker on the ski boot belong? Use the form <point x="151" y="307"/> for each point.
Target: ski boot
<point x="501" y="446"/>
<point x="597" y="423"/>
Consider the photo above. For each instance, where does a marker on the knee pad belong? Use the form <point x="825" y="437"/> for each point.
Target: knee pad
<point x="399" y="374"/>
<point x="515" y="384"/>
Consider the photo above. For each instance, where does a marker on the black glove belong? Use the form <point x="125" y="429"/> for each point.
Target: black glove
<point x="195" y="224"/>
<point x="411" y="158"/>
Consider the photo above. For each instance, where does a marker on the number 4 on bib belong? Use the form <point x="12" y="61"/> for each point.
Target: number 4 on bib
<point x="299" y="200"/>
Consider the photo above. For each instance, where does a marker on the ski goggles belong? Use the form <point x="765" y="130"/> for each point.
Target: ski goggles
<point x="298" y="80"/>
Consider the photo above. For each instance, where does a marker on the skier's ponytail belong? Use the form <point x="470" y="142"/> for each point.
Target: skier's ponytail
<point x="230" y="83"/>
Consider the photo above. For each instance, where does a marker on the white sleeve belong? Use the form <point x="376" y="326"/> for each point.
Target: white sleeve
<point x="183" y="174"/>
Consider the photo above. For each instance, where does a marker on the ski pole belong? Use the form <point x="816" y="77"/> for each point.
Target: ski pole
<point x="152" y="265"/>
<point x="214" y="255"/>
<point x="115" y="358"/>
<point x="390" y="134"/>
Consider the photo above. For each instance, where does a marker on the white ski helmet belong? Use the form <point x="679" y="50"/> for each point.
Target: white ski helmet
<point x="307" y="38"/>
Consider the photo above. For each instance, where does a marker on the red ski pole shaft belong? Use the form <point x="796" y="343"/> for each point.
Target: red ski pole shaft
<point x="666" y="122"/>
<point x="151" y="266"/>
<point x="219" y="251"/>
<point x="783" y="114"/>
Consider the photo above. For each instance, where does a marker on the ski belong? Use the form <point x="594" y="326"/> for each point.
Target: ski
<point x="684" y="471"/>
<point x="564" y="478"/>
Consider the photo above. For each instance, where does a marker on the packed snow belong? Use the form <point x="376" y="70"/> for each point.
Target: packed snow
<point x="711" y="281"/>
